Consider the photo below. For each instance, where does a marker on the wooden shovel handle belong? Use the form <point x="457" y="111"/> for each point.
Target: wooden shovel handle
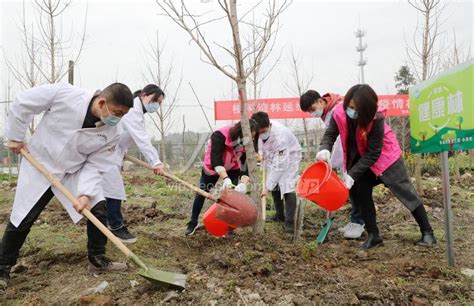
<point x="86" y="213"/>
<point x="172" y="177"/>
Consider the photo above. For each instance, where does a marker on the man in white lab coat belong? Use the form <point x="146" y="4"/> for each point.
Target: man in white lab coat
<point x="323" y="107"/>
<point x="133" y="131"/>
<point x="281" y="154"/>
<point x="75" y="141"/>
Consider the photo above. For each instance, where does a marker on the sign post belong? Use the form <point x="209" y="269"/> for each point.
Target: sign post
<point x="442" y="120"/>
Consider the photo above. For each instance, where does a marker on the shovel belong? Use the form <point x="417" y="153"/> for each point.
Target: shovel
<point x="153" y="275"/>
<point x="325" y="229"/>
<point x="235" y="208"/>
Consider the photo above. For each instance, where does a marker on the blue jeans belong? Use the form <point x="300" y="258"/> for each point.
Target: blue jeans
<point x="114" y="213"/>
<point x="356" y="214"/>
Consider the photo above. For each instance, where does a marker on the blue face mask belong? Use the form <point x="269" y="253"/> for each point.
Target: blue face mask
<point x="317" y="113"/>
<point x="152" y="107"/>
<point x="352" y="113"/>
<point x="110" y="119"/>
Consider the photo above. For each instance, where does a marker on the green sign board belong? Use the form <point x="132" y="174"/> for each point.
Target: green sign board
<point x="442" y="111"/>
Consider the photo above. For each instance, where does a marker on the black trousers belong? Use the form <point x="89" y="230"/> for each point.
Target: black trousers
<point x="14" y="237"/>
<point x="284" y="211"/>
<point x="206" y="183"/>
<point x="361" y="195"/>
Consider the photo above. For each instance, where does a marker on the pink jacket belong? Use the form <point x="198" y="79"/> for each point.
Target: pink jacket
<point x="391" y="151"/>
<point x="230" y="157"/>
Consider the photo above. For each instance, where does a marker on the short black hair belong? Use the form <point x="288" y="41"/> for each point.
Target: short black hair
<point x="308" y="98"/>
<point x="262" y="119"/>
<point x="119" y="94"/>
<point x="150" y="89"/>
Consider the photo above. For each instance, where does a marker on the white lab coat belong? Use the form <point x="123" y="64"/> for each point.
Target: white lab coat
<point x="133" y="131"/>
<point x="77" y="157"/>
<point x="282" y="157"/>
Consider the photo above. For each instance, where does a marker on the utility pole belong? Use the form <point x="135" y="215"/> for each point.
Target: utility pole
<point x="361" y="47"/>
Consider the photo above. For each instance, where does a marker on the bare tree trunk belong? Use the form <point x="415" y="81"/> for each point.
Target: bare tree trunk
<point x="248" y="141"/>
<point x="52" y="45"/>
<point x="424" y="60"/>
<point x="184" y="142"/>
<point x="471" y="155"/>
<point x="251" y="160"/>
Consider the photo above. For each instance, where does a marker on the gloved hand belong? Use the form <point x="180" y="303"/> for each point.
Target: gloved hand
<point x="324" y="155"/>
<point x="242" y="188"/>
<point x="227" y="183"/>
<point x="348" y="181"/>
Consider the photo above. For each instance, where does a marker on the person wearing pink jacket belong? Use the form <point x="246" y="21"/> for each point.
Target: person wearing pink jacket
<point x="224" y="158"/>
<point x="323" y="107"/>
<point x="372" y="156"/>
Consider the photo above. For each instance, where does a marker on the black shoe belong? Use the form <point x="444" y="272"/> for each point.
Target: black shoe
<point x="373" y="240"/>
<point x="4" y="276"/>
<point x="100" y="263"/>
<point x="124" y="235"/>
<point x="427" y="239"/>
<point x="289" y="228"/>
<point x="191" y="227"/>
<point x="276" y="218"/>
<point x="231" y="234"/>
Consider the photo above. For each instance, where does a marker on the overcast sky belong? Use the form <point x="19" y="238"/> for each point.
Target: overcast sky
<point x="321" y="32"/>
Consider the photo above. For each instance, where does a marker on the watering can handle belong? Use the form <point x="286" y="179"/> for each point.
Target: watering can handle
<point x="328" y="173"/>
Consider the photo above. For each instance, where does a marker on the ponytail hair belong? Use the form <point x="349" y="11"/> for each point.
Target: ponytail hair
<point x="137" y="93"/>
<point x="150" y="89"/>
<point x="236" y="131"/>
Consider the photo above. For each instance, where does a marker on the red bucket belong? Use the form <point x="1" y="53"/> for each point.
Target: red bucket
<point x="319" y="184"/>
<point x="215" y="226"/>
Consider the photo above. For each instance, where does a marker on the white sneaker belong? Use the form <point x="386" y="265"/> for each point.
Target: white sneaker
<point x="344" y="228"/>
<point x="354" y="231"/>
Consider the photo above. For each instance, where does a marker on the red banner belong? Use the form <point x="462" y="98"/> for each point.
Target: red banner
<point x="396" y="105"/>
<point x="289" y="108"/>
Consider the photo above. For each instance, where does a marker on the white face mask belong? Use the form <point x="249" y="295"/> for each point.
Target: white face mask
<point x="265" y="136"/>
<point x="317" y="113"/>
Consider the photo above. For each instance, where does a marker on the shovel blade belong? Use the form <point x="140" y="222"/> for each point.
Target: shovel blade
<point x="324" y="231"/>
<point x="163" y="278"/>
<point x="236" y="208"/>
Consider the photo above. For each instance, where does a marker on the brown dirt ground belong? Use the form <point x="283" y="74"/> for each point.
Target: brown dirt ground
<point x="248" y="269"/>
